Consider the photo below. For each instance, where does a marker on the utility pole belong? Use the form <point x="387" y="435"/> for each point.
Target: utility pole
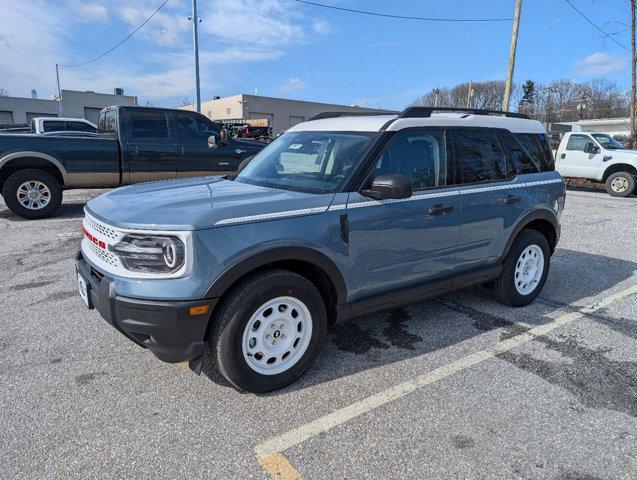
<point x="57" y="75"/>
<point x="514" y="44"/>
<point x="633" y="92"/>
<point x="436" y="92"/>
<point x="469" y="93"/>
<point x="195" y="36"/>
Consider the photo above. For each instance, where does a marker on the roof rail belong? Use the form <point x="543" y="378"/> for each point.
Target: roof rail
<point x="425" y="112"/>
<point x="323" y="115"/>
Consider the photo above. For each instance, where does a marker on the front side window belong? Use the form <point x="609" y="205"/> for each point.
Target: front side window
<point x="577" y="142"/>
<point x="419" y="155"/>
<point x="194" y="129"/>
<point x="480" y="156"/>
<point x="149" y="124"/>
<point x="607" y="141"/>
<point x="315" y="162"/>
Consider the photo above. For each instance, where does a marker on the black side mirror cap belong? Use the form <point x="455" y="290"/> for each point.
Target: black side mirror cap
<point x="590" y="147"/>
<point x="394" y="186"/>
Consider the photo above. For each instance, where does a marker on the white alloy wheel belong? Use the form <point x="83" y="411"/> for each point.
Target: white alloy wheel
<point x="277" y="335"/>
<point x="33" y="195"/>
<point x="529" y="269"/>
<point x="619" y="184"/>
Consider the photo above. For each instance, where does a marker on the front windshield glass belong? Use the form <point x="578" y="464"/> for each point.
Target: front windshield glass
<point x="315" y="162"/>
<point x="607" y="141"/>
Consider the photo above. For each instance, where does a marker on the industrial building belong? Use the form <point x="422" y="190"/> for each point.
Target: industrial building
<point x="280" y="113"/>
<point x="616" y="127"/>
<point x="72" y="103"/>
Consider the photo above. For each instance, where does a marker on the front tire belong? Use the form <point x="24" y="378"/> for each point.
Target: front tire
<point x="620" y="184"/>
<point x="524" y="270"/>
<point x="32" y="194"/>
<point x="268" y="331"/>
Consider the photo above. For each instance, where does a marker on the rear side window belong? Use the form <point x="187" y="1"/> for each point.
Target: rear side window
<point x="480" y="157"/>
<point x="148" y="124"/>
<point x="538" y="148"/>
<point x="518" y="156"/>
<point x="79" y="127"/>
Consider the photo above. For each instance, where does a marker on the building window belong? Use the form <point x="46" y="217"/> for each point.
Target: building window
<point x="228" y="111"/>
<point x="6" y="118"/>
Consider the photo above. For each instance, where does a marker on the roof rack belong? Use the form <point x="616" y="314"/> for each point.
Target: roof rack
<point x="425" y="112"/>
<point x="323" y="115"/>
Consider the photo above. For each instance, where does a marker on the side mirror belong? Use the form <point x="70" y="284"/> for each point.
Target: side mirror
<point x="590" y="147"/>
<point x="212" y="141"/>
<point x="394" y="186"/>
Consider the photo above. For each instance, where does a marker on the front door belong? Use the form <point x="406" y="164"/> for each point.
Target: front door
<point x="573" y="161"/>
<point x="400" y="243"/>
<point x="151" y="152"/>
<point x="196" y="155"/>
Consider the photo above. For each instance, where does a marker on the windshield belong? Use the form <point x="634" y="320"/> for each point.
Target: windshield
<point x="607" y="141"/>
<point x="316" y="162"/>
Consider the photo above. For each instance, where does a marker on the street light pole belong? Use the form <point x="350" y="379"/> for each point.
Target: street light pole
<point x="195" y="35"/>
<point x="514" y="44"/>
<point x="57" y="75"/>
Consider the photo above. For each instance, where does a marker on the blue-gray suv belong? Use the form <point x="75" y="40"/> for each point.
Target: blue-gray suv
<point x="340" y="216"/>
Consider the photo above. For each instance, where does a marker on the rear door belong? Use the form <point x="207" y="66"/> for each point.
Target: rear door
<point x="491" y="197"/>
<point x="400" y="243"/>
<point x="196" y="155"/>
<point x="573" y="161"/>
<point x="151" y="152"/>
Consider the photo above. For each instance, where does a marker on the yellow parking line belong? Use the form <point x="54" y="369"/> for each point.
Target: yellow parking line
<point x="279" y="468"/>
<point x="269" y="452"/>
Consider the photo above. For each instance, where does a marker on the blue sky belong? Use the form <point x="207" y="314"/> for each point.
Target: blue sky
<point x="287" y="49"/>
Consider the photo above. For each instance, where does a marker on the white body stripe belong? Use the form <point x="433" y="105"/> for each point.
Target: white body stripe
<point x="372" y="203"/>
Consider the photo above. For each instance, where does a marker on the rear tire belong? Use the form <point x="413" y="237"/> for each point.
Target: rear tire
<point x="32" y="194"/>
<point x="620" y="184"/>
<point x="524" y="270"/>
<point x="268" y="331"/>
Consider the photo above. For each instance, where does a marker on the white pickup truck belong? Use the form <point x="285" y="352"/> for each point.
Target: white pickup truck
<point x="598" y="156"/>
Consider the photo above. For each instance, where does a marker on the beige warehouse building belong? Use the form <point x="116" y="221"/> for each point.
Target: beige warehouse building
<point x="281" y="113"/>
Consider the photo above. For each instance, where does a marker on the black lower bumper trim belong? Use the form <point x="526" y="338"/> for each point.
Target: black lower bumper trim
<point x="166" y="328"/>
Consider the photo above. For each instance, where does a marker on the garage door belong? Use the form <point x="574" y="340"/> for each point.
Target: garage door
<point x="32" y="115"/>
<point x="296" y="119"/>
<point x="92" y="114"/>
<point x="6" y="118"/>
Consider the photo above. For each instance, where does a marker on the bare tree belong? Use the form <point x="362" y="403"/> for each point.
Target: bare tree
<point x="633" y="89"/>
<point x="4" y="92"/>
<point x="486" y="95"/>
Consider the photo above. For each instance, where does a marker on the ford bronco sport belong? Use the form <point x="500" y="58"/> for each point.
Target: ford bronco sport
<point x="339" y="217"/>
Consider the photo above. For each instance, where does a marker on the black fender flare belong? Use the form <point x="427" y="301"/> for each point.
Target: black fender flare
<point x="543" y="214"/>
<point x="277" y="254"/>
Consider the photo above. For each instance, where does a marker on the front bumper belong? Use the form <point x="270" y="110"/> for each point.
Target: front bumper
<point x="166" y="328"/>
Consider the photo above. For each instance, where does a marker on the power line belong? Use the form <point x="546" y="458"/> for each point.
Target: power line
<point x="403" y="17"/>
<point x="609" y="35"/>
<point x="121" y="42"/>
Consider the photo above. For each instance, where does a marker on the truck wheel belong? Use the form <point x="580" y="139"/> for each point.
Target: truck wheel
<point x="268" y="331"/>
<point x="32" y="193"/>
<point x="524" y="270"/>
<point x="620" y="184"/>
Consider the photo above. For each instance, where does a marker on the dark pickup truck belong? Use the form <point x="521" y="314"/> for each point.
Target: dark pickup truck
<point x="134" y="144"/>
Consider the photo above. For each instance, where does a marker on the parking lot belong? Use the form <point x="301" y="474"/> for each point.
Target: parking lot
<point x="455" y="387"/>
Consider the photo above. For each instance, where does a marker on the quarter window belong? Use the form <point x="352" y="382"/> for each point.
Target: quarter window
<point x="420" y="155"/>
<point x="518" y="156"/>
<point x="480" y="156"/>
<point x="149" y="124"/>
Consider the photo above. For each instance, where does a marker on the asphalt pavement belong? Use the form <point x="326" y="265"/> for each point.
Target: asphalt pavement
<point x="455" y="387"/>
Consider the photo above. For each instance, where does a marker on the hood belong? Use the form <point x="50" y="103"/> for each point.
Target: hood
<point x="198" y="203"/>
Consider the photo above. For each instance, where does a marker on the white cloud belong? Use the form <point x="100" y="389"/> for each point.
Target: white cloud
<point x="600" y="64"/>
<point x="293" y="84"/>
<point x="164" y="28"/>
<point x="90" y="11"/>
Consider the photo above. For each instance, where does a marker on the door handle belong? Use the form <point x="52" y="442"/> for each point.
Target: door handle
<point x="238" y="152"/>
<point x="511" y="199"/>
<point x="182" y="150"/>
<point x="563" y="156"/>
<point x="439" y="209"/>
